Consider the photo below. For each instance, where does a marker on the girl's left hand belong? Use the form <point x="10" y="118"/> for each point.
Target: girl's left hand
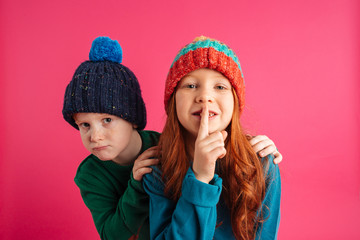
<point x="265" y="146"/>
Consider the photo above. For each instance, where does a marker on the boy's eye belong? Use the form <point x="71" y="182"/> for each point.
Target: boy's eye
<point x="107" y="120"/>
<point x="84" y="125"/>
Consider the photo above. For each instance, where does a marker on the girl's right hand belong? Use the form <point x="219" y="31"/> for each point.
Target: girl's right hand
<point x="143" y="162"/>
<point x="208" y="148"/>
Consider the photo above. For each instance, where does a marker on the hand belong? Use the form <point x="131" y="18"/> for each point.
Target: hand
<point x="208" y="148"/>
<point x="265" y="146"/>
<point x="142" y="163"/>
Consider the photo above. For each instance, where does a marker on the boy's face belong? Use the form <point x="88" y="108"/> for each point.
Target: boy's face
<point x="104" y="135"/>
<point x="200" y="87"/>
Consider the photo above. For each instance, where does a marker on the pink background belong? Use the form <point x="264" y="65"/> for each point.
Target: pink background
<point x="301" y="63"/>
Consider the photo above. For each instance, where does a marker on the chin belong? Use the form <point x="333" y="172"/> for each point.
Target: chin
<point x="104" y="158"/>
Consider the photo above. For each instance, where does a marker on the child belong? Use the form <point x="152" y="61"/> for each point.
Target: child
<point x="210" y="184"/>
<point x="104" y="102"/>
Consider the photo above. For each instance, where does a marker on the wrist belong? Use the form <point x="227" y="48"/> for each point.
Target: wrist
<point x="203" y="178"/>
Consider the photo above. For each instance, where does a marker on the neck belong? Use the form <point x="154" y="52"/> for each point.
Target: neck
<point x="132" y="150"/>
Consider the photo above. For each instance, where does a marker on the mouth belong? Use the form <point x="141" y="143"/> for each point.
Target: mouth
<point x="99" y="148"/>
<point x="212" y="114"/>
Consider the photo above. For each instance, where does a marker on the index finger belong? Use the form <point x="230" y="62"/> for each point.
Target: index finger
<point x="260" y="138"/>
<point x="148" y="153"/>
<point x="204" y="122"/>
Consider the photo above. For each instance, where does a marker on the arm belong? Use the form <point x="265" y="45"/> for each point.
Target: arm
<point x="119" y="205"/>
<point x="192" y="217"/>
<point x="115" y="217"/>
<point x="271" y="204"/>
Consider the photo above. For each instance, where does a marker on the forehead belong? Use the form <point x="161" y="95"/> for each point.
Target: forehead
<point x="206" y="75"/>
<point x="82" y="116"/>
<point x="206" y="72"/>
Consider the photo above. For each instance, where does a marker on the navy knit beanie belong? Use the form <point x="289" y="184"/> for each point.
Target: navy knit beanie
<point x="104" y="85"/>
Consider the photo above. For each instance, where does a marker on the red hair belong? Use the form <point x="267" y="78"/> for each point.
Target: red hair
<point x="241" y="170"/>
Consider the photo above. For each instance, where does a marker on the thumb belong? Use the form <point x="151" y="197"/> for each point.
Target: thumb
<point x="225" y="134"/>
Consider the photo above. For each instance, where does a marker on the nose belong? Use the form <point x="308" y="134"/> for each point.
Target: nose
<point x="97" y="134"/>
<point x="204" y="96"/>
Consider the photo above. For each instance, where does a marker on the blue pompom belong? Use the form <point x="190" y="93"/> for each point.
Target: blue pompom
<point x="105" y="49"/>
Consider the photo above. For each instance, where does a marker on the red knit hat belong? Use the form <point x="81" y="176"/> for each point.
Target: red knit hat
<point x="205" y="52"/>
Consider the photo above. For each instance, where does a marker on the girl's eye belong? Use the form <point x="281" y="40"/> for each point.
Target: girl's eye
<point x="190" y="86"/>
<point x="107" y="120"/>
<point x="220" y="87"/>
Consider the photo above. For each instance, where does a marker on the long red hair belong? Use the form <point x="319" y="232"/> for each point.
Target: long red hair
<point x="241" y="170"/>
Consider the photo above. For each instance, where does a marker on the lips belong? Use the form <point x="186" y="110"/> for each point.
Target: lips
<point x="211" y="113"/>
<point x="99" y="148"/>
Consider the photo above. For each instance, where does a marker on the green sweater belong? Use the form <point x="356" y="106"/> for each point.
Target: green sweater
<point x="117" y="202"/>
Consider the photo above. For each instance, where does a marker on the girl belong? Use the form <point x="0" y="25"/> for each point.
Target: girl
<point x="210" y="183"/>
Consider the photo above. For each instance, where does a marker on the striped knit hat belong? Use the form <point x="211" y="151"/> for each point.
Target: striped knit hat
<point x="104" y="85"/>
<point x="205" y="52"/>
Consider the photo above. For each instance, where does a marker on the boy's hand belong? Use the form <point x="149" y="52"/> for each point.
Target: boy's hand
<point x="142" y="163"/>
<point x="265" y="146"/>
<point x="208" y="148"/>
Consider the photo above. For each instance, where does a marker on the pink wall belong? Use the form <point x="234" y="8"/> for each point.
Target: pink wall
<point x="301" y="64"/>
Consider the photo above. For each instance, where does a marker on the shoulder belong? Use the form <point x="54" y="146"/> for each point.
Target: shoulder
<point x="148" y="134"/>
<point x="87" y="171"/>
<point x="271" y="171"/>
<point x="155" y="174"/>
<point x="93" y="171"/>
<point x="269" y="167"/>
<point x="94" y="164"/>
<point x="148" y="139"/>
<point x="153" y="181"/>
<point x="91" y="162"/>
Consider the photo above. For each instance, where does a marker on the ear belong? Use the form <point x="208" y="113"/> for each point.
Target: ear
<point x="135" y="126"/>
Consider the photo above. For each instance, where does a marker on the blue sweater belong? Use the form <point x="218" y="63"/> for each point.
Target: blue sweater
<point x="200" y="208"/>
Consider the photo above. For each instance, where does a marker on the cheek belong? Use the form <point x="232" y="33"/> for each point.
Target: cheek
<point x="180" y="105"/>
<point x="180" y="115"/>
<point x="84" y="139"/>
<point x="229" y="107"/>
<point x="125" y="128"/>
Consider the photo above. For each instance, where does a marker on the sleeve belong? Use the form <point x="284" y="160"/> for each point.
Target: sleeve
<point x="270" y="209"/>
<point x="115" y="217"/>
<point x="192" y="217"/>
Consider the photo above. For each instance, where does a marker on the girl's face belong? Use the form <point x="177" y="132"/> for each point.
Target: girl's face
<point x="200" y="87"/>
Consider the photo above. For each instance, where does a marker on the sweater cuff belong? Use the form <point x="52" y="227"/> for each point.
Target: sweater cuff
<point x="137" y="185"/>
<point x="200" y="193"/>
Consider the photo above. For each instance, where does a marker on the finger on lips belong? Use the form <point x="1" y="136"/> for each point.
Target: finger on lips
<point x="204" y="122"/>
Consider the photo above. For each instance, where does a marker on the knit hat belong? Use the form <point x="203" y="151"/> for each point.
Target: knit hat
<point x="104" y="85"/>
<point x="205" y="52"/>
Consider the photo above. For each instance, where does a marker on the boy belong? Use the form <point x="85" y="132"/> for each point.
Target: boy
<point x="103" y="101"/>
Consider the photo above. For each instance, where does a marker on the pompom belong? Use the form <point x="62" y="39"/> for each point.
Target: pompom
<point x="201" y="38"/>
<point x="105" y="49"/>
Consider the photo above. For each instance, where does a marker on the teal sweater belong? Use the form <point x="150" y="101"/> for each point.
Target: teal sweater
<point x="200" y="208"/>
<point x="118" y="203"/>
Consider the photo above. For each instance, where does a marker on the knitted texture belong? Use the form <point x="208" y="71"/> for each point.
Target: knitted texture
<point x="104" y="85"/>
<point x="208" y="53"/>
